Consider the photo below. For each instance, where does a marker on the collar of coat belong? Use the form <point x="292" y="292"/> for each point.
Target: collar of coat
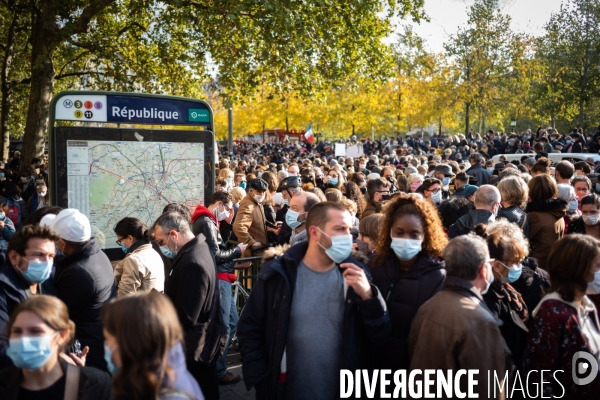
<point x="275" y="257"/>
<point x="586" y="307"/>
<point x="547" y="205"/>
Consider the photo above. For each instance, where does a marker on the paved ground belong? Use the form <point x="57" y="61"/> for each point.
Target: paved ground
<point x="238" y="391"/>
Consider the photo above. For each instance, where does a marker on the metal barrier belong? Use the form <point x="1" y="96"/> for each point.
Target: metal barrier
<point x="247" y="268"/>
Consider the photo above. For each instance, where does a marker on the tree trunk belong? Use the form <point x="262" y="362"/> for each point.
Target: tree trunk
<point x="6" y="88"/>
<point x="42" y="84"/>
<point x="440" y="128"/>
<point x="581" y="103"/>
<point x="467" y="110"/>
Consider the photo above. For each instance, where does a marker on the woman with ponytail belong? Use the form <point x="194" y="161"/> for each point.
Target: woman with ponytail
<point x="142" y="269"/>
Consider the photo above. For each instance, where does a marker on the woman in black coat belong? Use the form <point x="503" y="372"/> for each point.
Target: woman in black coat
<point x="408" y="270"/>
<point x="508" y="247"/>
<point x="44" y="321"/>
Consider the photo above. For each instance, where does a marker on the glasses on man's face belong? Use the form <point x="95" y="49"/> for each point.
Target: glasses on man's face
<point x="433" y="191"/>
<point x="584" y="190"/>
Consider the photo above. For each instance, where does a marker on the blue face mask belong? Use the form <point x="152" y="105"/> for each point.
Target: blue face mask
<point x="123" y="248"/>
<point x="166" y="251"/>
<point x="243" y="185"/>
<point x="112" y="368"/>
<point x="406" y="249"/>
<point x="445" y="181"/>
<point x="341" y="247"/>
<point x="333" y="181"/>
<point x="46" y="171"/>
<point x="291" y="218"/>
<point x="573" y="204"/>
<point x="514" y="272"/>
<point x="229" y="180"/>
<point x="598" y="187"/>
<point x="259" y="175"/>
<point x="2" y="175"/>
<point x="30" y="353"/>
<point x="490" y="169"/>
<point x="37" y="271"/>
<point x="2" y="216"/>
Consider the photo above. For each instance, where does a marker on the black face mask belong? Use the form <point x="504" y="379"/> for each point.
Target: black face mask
<point x="385" y="197"/>
<point x="363" y="190"/>
<point x="319" y="181"/>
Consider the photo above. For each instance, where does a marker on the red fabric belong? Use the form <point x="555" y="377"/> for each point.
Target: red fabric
<point x="202" y="211"/>
<point x="226" y="276"/>
<point x="554" y="338"/>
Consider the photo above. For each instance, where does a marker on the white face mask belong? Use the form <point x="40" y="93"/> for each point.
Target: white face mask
<point x="590" y="220"/>
<point x="594" y="286"/>
<point x="259" y="199"/>
<point x="490" y="272"/>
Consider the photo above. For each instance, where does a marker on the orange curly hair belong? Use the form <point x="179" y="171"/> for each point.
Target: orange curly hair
<point x="434" y="240"/>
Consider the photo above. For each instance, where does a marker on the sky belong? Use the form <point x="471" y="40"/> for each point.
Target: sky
<point x="446" y="16"/>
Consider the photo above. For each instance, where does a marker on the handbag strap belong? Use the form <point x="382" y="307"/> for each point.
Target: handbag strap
<point x="72" y="382"/>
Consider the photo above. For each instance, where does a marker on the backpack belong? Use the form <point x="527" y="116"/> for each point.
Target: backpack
<point x="14" y="212"/>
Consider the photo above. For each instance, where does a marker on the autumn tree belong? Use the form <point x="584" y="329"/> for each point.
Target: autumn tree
<point x="486" y="56"/>
<point x="570" y="55"/>
<point x="301" y="46"/>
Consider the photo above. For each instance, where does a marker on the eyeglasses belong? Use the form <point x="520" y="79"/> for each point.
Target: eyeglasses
<point x="584" y="190"/>
<point x="433" y="191"/>
<point x="490" y="261"/>
<point x="383" y="191"/>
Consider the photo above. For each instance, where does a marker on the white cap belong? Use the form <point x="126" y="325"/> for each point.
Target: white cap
<point x="72" y="225"/>
<point x="373" y="175"/>
<point x="47" y="220"/>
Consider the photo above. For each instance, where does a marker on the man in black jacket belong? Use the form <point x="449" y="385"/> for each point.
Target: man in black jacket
<point x="205" y="221"/>
<point x="309" y="313"/>
<point x="487" y="204"/>
<point x="288" y="188"/>
<point x="32" y="245"/>
<point x="191" y="287"/>
<point x="477" y="170"/>
<point x="83" y="280"/>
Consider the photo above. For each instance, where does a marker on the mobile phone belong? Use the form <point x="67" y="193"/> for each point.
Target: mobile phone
<point x="247" y="241"/>
<point x="271" y="225"/>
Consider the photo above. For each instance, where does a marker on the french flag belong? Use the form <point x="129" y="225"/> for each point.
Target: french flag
<point x="308" y="135"/>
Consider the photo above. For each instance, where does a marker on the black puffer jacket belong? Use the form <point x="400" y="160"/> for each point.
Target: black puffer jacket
<point x="223" y="257"/>
<point x="84" y="281"/>
<point x="404" y="292"/>
<point x="517" y="216"/>
<point x="513" y="329"/>
<point x="263" y="325"/>
<point x="532" y="284"/>
<point x="465" y="224"/>
<point x="576" y="226"/>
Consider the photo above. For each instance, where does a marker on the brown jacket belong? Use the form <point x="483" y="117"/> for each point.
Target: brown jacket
<point x="250" y="223"/>
<point x="455" y="330"/>
<point x="547" y="226"/>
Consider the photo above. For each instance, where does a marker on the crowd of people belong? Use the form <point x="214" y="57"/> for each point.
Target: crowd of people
<point x="415" y="255"/>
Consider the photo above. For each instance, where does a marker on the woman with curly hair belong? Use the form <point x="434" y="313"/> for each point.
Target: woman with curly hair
<point x="408" y="269"/>
<point x="352" y="192"/>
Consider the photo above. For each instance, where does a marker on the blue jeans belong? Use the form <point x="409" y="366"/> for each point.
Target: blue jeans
<point x="230" y="317"/>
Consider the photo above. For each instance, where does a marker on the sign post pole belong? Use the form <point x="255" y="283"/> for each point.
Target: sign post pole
<point x="230" y="129"/>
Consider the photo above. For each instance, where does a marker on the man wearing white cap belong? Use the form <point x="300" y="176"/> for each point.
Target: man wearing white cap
<point x="84" y="280"/>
